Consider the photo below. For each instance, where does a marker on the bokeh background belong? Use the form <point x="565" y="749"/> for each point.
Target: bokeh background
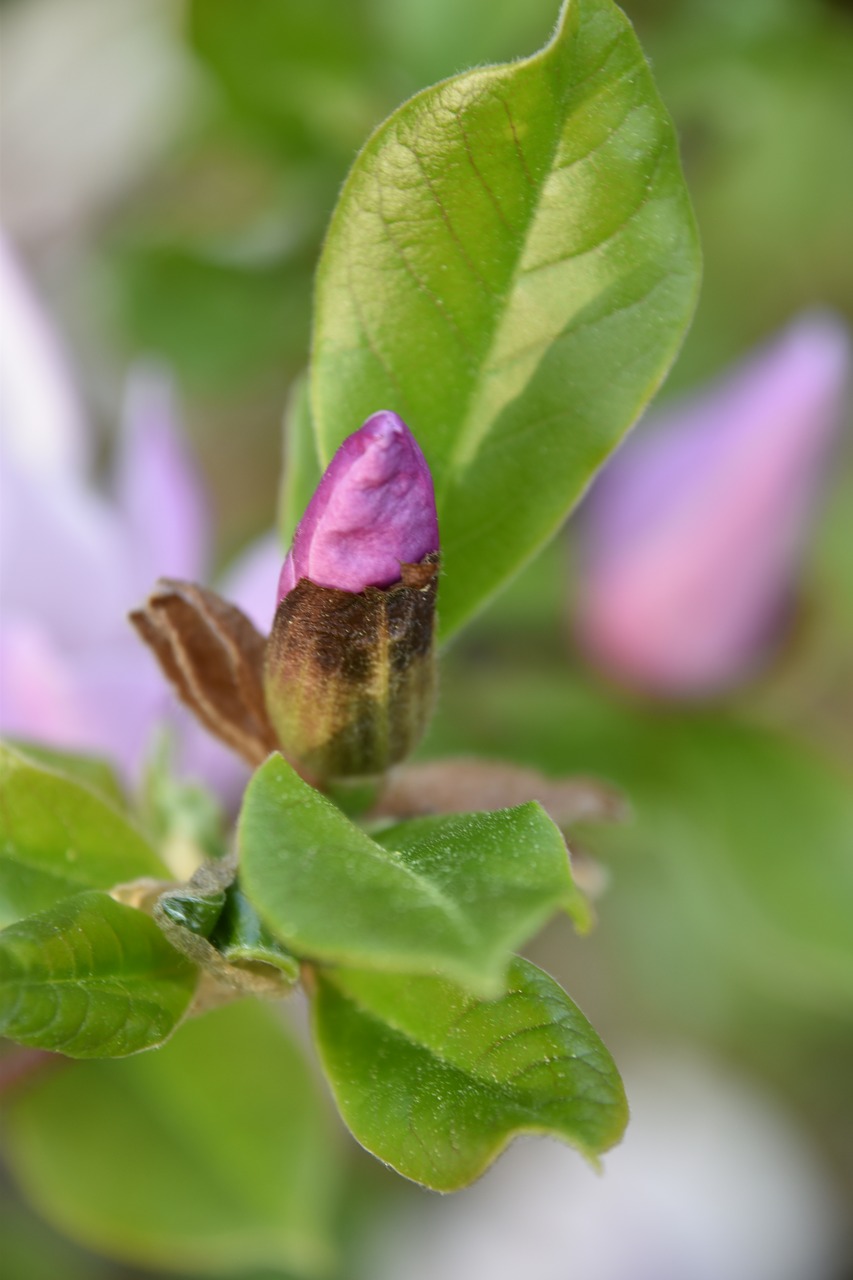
<point x="169" y="169"/>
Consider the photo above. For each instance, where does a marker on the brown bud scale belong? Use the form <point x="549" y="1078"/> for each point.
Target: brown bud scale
<point x="213" y="655"/>
<point x="350" y="677"/>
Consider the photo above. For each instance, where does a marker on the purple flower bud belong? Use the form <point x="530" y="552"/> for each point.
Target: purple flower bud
<point x="373" y="510"/>
<point x="350" y="669"/>
<point x="692" y="537"/>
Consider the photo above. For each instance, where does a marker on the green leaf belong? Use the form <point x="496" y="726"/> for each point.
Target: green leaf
<point x="511" y="267"/>
<point x="213" y="923"/>
<point x="455" y="897"/>
<point x="58" y="837"/>
<point x="302" y="471"/>
<point x="437" y="1083"/>
<point x="441" y="846"/>
<point x="243" y="939"/>
<point x="93" y="771"/>
<point x="196" y="912"/>
<point x="213" y="1154"/>
<point x="91" y="979"/>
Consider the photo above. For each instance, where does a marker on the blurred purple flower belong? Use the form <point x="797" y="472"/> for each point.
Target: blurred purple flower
<point x="72" y="672"/>
<point x="373" y="510"/>
<point x="691" y="540"/>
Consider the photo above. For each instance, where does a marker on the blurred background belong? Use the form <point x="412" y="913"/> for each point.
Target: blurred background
<point x="169" y="169"/>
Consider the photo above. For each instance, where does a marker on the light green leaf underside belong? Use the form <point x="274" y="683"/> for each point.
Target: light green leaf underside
<point x="212" y="1155"/>
<point x="58" y="837"/>
<point x="511" y="267"/>
<point x="454" y="898"/>
<point x="91" y="979"/>
<point x="436" y="1083"/>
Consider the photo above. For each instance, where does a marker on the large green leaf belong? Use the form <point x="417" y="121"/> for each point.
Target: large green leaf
<point x="58" y="837"/>
<point x="454" y="896"/>
<point x="210" y="1155"/>
<point x="511" y="267"/>
<point x="91" y="979"/>
<point x="436" y="1082"/>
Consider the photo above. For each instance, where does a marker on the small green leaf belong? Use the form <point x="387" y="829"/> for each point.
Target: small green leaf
<point x="197" y="912"/>
<point x="454" y="897"/>
<point x="213" y="1155"/>
<point x="217" y="928"/>
<point x="58" y="837"/>
<point x="436" y="1083"/>
<point x="511" y="267"/>
<point x="242" y="938"/>
<point x="302" y="471"/>
<point x="91" y="979"/>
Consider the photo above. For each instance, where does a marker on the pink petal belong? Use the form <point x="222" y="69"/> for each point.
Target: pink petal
<point x="373" y="510"/>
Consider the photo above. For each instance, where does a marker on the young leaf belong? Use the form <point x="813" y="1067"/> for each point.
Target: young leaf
<point x="212" y="1155"/>
<point x="511" y="267"/>
<point x="242" y="938"/>
<point x="91" y="979"/>
<point x="58" y="837"/>
<point x="454" y="896"/>
<point x="436" y="1083"/>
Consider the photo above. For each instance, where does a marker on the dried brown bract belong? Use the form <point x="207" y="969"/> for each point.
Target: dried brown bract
<point x="213" y="655"/>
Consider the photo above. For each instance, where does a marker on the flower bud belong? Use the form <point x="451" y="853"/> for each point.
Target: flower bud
<point x="692" y="536"/>
<point x="349" y="673"/>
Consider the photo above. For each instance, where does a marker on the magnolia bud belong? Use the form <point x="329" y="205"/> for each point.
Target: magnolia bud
<point x="349" y="676"/>
<point x="692" y="538"/>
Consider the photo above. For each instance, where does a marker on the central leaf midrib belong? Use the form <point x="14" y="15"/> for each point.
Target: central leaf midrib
<point x="385" y="857"/>
<point x="487" y="76"/>
<point x="461" y="440"/>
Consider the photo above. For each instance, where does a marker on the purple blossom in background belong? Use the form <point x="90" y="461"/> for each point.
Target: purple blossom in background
<point x="373" y="510"/>
<point x="692" y="537"/>
<point x="73" y="674"/>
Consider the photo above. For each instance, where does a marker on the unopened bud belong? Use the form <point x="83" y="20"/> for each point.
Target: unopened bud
<point x="349" y="674"/>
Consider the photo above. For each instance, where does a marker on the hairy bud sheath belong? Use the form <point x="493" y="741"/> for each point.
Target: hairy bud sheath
<point x="350" y="671"/>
